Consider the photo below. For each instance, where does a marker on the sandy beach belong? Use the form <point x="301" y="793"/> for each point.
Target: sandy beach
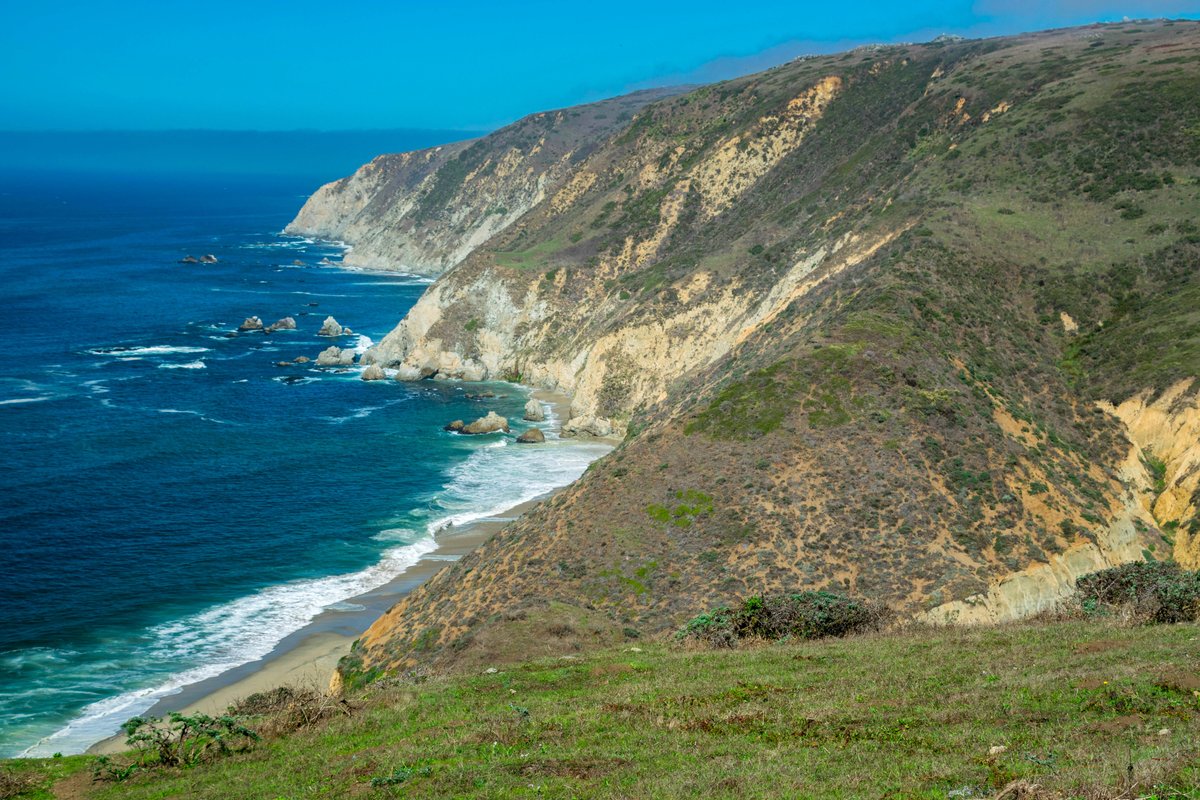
<point x="308" y="656"/>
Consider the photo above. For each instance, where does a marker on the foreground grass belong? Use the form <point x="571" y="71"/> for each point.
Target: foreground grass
<point x="1075" y="706"/>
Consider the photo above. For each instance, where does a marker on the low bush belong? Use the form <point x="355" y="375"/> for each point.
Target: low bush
<point x="288" y="708"/>
<point x="186" y="739"/>
<point x="15" y="784"/>
<point x="1150" y="591"/>
<point x="801" y="615"/>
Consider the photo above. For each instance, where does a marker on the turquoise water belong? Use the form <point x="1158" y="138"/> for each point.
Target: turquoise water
<point x="173" y="503"/>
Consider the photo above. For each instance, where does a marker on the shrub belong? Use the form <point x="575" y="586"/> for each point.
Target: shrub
<point x="289" y="708"/>
<point x="183" y="740"/>
<point x="802" y="615"/>
<point x="15" y="784"/>
<point x="1155" y="591"/>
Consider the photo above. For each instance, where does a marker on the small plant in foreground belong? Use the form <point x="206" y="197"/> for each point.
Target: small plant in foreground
<point x="105" y="769"/>
<point x="400" y="775"/>
<point x="800" y="615"/>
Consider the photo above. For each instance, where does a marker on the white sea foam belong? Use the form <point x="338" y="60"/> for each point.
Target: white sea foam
<point x="492" y="479"/>
<point x="198" y="364"/>
<point x="497" y="477"/>
<point x="12" y="401"/>
<point x="151" y="350"/>
<point x="225" y="637"/>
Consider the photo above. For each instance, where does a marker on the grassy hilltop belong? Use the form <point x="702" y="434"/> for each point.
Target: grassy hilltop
<point x="1075" y="709"/>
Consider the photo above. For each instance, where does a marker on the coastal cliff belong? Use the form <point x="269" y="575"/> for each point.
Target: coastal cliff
<point x="914" y="322"/>
<point x="425" y="211"/>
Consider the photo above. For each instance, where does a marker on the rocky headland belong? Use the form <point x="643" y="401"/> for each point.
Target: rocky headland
<point x="890" y="323"/>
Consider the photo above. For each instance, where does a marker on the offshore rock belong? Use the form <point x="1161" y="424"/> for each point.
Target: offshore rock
<point x="373" y="372"/>
<point x="285" y="324"/>
<point x="208" y="259"/>
<point x="251" y="324"/>
<point x="335" y="357"/>
<point x="455" y="427"/>
<point x="531" y="436"/>
<point x="534" y="412"/>
<point x="331" y="328"/>
<point x="490" y="424"/>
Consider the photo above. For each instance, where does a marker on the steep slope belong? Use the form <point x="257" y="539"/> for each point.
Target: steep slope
<point x="423" y="212"/>
<point x="869" y="322"/>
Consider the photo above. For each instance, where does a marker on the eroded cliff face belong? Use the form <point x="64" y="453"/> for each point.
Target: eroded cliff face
<point x="425" y="211"/>
<point x="1165" y="433"/>
<point x="841" y="316"/>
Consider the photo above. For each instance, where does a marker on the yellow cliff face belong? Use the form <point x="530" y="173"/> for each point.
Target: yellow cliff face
<point x="742" y="160"/>
<point x="1167" y="429"/>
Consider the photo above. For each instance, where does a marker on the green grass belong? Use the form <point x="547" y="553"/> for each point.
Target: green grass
<point x="904" y="715"/>
<point x="535" y="257"/>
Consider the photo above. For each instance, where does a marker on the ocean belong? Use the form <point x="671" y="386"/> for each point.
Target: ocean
<point x="173" y="503"/>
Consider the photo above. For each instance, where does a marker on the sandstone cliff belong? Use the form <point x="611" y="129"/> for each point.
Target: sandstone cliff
<point x="423" y="212"/>
<point x="826" y="306"/>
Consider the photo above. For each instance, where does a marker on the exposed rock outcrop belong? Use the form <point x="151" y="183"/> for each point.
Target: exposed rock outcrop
<point x="455" y="427"/>
<point x="330" y="327"/>
<point x="285" y="324"/>
<point x="208" y="259"/>
<point x="532" y="436"/>
<point x="335" y="357"/>
<point x="492" y="423"/>
<point x="534" y="411"/>
<point x="373" y="373"/>
<point x="1165" y="432"/>
<point x="251" y="324"/>
<point x="423" y="212"/>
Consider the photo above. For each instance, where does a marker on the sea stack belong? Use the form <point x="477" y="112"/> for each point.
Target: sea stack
<point x="330" y="328"/>
<point x="534" y="412"/>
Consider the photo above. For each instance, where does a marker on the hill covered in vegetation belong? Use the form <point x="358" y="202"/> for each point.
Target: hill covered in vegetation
<point x="913" y="323"/>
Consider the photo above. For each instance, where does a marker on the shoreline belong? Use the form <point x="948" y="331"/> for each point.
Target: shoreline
<point x="308" y="656"/>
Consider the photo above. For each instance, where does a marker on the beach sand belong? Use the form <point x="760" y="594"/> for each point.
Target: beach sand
<point x="308" y="656"/>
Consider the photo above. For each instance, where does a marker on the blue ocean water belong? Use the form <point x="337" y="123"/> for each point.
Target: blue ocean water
<point x="172" y="503"/>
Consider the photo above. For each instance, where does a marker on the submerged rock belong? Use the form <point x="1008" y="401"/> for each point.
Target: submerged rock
<point x="301" y="359"/>
<point x="374" y="372"/>
<point x="532" y="436"/>
<point x="330" y="328"/>
<point x="285" y="324"/>
<point x="534" y="411"/>
<point x="454" y="427"/>
<point x="189" y="260"/>
<point x="490" y="424"/>
<point x="251" y="324"/>
<point x="297" y="262"/>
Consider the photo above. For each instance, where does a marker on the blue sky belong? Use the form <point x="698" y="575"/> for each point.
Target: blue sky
<point x="281" y="65"/>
